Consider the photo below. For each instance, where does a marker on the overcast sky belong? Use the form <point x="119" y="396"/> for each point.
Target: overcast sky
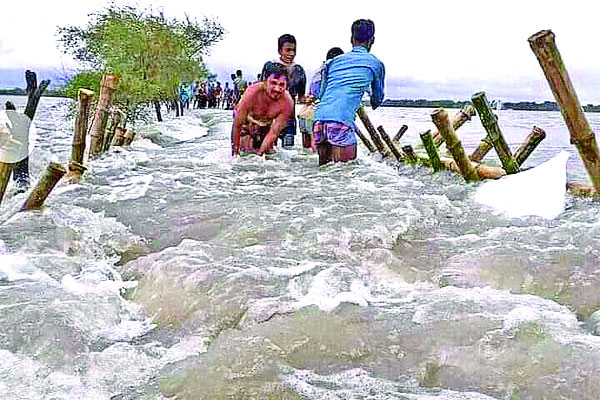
<point x="431" y="49"/>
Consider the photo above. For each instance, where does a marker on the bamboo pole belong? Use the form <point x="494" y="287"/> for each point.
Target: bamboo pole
<point x="119" y="136"/>
<point x="366" y="141"/>
<point x="113" y="122"/>
<point x="453" y="144"/>
<point x="459" y="119"/>
<point x="483" y="171"/>
<point x="484" y="147"/>
<point x="544" y="47"/>
<point x="107" y="89"/>
<point x="431" y="149"/>
<point x="362" y="114"/>
<point x="401" y="132"/>
<point x="5" y="170"/>
<point x="389" y="143"/>
<point x="490" y="123"/>
<point x="410" y="154"/>
<point x="34" y="93"/>
<point x="85" y="98"/>
<point x="48" y="180"/>
<point x="531" y="142"/>
<point x="129" y="136"/>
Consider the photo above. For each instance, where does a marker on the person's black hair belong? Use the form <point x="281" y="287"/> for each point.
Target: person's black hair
<point x="283" y="39"/>
<point x="334" y="52"/>
<point x="363" y="30"/>
<point x="232" y="76"/>
<point x="275" y="69"/>
<point x="238" y="72"/>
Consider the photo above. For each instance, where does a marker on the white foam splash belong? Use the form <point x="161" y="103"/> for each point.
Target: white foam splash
<point x="539" y="191"/>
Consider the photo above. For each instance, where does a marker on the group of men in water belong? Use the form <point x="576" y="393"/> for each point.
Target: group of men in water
<point x="265" y="111"/>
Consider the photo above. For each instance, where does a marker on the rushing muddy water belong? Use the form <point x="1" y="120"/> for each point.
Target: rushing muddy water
<point x="173" y="271"/>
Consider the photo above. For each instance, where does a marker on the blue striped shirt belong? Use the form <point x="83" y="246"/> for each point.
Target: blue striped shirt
<point x="348" y="77"/>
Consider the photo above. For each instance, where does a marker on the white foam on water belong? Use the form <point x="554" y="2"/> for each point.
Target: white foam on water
<point x="131" y="188"/>
<point x="95" y="283"/>
<point x="539" y="191"/>
<point x="188" y="346"/>
<point x="15" y="267"/>
<point x="128" y="330"/>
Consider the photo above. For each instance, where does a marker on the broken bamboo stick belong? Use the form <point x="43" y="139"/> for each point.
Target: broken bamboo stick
<point x="484" y="147"/>
<point x="490" y="123"/>
<point x="113" y="121"/>
<point x="544" y="47"/>
<point x="453" y="144"/>
<point x="389" y="143"/>
<point x="47" y="181"/>
<point x="128" y="137"/>
<point x="107" y="89"/>
<point x="401" y="132"/>
<point x="85" y="98"/>
<point x="119" y="136"/>
<point x="411" y="157"/>
<point x="459" y="119"/>
<point x="5" y="170"/>
<point x="531" y="142"/>
<point x="366" y="141"/>
<point x="362" y="114"/>
<point x="431" y="149"/>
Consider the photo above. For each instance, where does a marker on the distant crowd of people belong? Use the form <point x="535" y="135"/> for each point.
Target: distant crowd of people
<point x="211" y="94"/>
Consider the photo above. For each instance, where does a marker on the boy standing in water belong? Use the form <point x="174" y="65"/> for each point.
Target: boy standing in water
<point x="262" y="112"/>
<point x="345" y="79"/>
<point x="296" y="85"/>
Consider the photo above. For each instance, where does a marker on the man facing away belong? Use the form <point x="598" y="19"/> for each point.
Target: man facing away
<point x="262" y="112"/>
<point x="345" y="79"/>
<point x="240" y="84"/>
<point x="297" y="82"/>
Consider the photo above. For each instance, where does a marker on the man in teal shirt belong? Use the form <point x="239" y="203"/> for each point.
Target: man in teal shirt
<point x="346" y="78"/>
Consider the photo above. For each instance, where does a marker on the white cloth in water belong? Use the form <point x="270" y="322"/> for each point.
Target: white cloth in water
<point x="539" y="191"/>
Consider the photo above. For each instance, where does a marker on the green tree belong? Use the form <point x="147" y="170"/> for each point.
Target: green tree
<point x="152" y="54"/>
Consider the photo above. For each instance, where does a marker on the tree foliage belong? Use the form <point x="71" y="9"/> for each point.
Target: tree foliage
<point x="152" y="54"/>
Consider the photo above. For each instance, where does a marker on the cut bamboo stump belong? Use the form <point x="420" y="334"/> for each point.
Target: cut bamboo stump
<point x="454" y="146"/>
<point x="431" y="149"/>
<point x="490" y="123"/>
<point x="459" y="119"/>
<point x="411" y="157"/>
<point x="389" y="143"/>
<point x="544" y="47"/>
<point x="113" y="121"/>
<point x="5" y="170"/>
<point x="129" y="136"/>
<point x="75" y="166"/>
<point x="531" y="142"/>
<point x="119" y="136"/>
<point x="401" y="132"/>
<point x="362" y="114"/>
<point x="484" y="147"/>
<point x="107" y="89"/>
<point x="49" y="179"/>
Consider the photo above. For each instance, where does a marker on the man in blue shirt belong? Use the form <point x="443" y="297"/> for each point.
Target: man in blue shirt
<point x="345" y="79"/>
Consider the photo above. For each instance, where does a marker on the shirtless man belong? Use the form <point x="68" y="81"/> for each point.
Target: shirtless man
<point x="263" y="111"/>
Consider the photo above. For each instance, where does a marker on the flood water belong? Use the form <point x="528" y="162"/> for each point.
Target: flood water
<point x="174" y="272"/>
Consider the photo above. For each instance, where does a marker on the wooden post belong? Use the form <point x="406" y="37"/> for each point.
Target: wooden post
<point x="410" y="154"/>
<point x="463" y="115"/>
<point x="531" y="142"/>
<point x="107" y="89"/>
<point x="401" y="132"/>
<point x="366" y="141"/>
<point x="362" y="114"/>
<point x="488" y="119"/>
<point x="5" y="170"/>
<point x="113" y="122"/>
<point x="389" y="142"/>
<point x="34" y="92"/>
<point x="544" y="47"/>
<point x="484" y="147"/>
<point x="85" y="98"/>
<point x="47" y="182"/>
<point x="119" y="136"/>
<point x="431" y="149"/>
<point x="454" y="146"/>
<point x="128" y="137"/>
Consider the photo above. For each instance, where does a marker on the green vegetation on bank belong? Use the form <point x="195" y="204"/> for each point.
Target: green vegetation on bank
<point x="522" y="105"/>
<point x="152" y="55"/>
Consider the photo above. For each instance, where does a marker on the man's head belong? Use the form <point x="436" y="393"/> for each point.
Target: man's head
<point x="239" y="73"/>
<point x="334" y="52"/>
<point x="277" y="79"/>
<point x="232" y="77"/>
<point x="363" y="33"/>
<point x="286" y="45"/>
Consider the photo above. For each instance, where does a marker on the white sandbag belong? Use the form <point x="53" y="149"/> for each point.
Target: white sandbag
<point x="539" y="191"/>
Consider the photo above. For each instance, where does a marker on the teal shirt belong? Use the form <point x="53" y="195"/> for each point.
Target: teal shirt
<point x="347" y="77"/>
